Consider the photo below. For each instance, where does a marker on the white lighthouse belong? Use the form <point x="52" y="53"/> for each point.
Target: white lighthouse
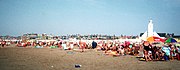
<point x="150" y="32"/>
<point x="150" y="29"/>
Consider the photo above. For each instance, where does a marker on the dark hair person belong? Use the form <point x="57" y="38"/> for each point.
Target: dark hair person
<point x="147" y="46"/>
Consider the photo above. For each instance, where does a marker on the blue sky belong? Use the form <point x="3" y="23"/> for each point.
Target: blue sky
<point x="62" y="17"/>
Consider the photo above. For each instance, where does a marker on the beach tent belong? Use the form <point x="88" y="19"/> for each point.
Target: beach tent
<point x="170" y="40"/>
<point x="155" y="39"/>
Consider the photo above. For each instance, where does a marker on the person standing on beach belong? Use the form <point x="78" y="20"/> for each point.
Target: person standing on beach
<point x="94" y="44"/>
<point x="146" y="45"/>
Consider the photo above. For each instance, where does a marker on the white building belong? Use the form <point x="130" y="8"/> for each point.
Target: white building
<point x="150" y="32"/>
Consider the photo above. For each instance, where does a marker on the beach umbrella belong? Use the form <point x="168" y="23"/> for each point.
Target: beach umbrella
<point x="177" y="45"/>
<point x="160" y="44"/>
<point x="170" y="40"/>
<point x="127" y="43"/>
<point x="177" y="39"/>
<point x="155" y="39"/>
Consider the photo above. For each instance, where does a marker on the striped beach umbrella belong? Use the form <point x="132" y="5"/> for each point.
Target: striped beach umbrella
<point x="170" y="40"/>
<point x="155" y="39"/>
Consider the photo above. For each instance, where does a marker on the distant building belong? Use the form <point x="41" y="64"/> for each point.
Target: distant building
<point x="30" y="36"/>
<point x="36" y="36"/>
<point x="160" y="34"/>
<point x="176" y="36"/>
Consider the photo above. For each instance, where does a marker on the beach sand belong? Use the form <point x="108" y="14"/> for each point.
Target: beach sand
<point x="15" y="58"/>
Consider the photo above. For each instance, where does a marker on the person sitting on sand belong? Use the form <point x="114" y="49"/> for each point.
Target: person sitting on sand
<point x="3" y="43"/>
<point x="131" y="49"/>
<point x="71" y="45"/>
<point x="154" y="53"/>
<point x="24" y="44"/>
<point x="104" y="47"/>
<point x="0" y="43"/>
<point x="111" y="52"/>
<point x="121" y="50"/>
<point x="82" y="45"/>
<point x="160" y="54"/>
<point x="141" y="51"/>
<point x="126" y="48"/>
<point x="114" y="47"/>
<point x="38" y="46"/>
<point x="60" y="44"/>
<point x="172" y="52"/>
<point x="136" y="49"/>
<point x="28" y="43"/>
<point x="178" y="52"/>
<point x="166" y="49"/>
<point x="19" y="44"/>
<point x="64" y="46"/>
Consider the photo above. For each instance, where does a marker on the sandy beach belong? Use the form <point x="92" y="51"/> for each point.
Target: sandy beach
<point x="16" y="58"/>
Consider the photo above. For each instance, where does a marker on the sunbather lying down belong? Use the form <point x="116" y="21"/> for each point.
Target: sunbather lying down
<point x="78" y="50"/>
<point x="113" y="53"/>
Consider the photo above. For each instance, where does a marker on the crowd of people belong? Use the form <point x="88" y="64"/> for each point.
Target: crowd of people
<point x="149" y="51"/>
<point x="165" y="52"/>
<point x="5" y="43"/>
